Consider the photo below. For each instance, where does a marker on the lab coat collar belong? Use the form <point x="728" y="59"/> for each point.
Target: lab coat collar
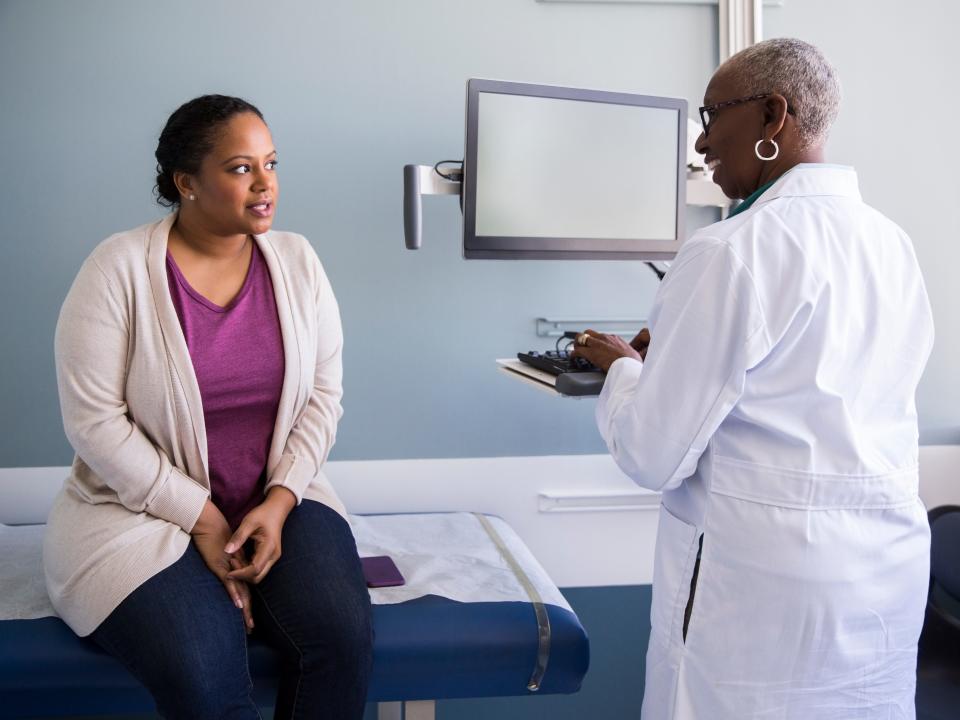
<point x="814" y="179"/>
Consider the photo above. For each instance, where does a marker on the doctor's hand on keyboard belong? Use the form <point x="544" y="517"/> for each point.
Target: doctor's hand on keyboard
<point x="602" y="350"/>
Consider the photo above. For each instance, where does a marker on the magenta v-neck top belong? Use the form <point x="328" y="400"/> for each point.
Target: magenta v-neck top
<point x="237" y="354"/>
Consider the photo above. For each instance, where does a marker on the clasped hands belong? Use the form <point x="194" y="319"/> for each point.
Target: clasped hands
<point x="223" y="550"/>
<point x="602" y="350"/>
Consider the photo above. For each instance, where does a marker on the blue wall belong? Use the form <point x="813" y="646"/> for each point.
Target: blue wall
<point x="355" y="90"/>
<point x="352" y="91"/>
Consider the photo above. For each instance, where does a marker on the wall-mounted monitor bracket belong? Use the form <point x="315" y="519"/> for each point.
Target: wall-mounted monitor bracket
<point x="419" y="180"/>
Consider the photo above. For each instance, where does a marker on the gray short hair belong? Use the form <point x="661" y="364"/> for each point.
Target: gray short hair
<point x="798" y="71"/>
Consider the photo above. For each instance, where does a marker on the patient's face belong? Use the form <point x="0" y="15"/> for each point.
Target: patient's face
<point x="731" y="136"/>
<point x="236" y="187"/>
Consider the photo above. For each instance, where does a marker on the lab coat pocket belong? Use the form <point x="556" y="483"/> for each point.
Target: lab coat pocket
<point x="676" y="553"/>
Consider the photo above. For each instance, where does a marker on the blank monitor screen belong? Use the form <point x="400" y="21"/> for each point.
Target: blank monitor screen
<point x="555" y="172"/>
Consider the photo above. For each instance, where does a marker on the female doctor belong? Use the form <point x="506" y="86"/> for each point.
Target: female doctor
<point x="772" y="403"/>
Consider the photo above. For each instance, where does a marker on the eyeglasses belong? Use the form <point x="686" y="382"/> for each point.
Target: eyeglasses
<point x="708" y="113"/>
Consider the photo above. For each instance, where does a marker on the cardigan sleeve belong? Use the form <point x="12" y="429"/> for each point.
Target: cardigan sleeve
<point x="314" y="433"/>
<point x="93" y="339"/>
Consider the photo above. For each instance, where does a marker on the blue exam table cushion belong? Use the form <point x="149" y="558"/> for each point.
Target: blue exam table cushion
<point x="428" y="648"/>
<point x="425" y="648"/>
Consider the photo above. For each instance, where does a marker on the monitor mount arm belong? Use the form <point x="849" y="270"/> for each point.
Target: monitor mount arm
<point x="419" y="180"/>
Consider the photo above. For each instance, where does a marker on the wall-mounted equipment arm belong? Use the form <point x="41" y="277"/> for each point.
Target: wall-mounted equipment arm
<point x="419" y="180"/>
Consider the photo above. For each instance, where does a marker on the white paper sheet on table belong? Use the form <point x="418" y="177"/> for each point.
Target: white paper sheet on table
<point x="445" y="554"/>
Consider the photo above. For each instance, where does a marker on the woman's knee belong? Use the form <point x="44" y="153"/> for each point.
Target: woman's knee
<point x="346" y="652"/>
<point x="325" y="639"/>
<point x="347" y="631"/>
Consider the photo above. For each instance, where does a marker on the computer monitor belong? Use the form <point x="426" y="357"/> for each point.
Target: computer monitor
<point x="562" y="173"/>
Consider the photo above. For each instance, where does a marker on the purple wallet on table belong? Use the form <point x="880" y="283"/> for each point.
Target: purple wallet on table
<point x="381" y="571"/>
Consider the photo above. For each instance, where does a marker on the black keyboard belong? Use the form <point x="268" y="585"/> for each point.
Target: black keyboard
<point x="557" y="362"/>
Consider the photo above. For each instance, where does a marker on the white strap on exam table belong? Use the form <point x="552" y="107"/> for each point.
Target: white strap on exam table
<point x="446" y="554"/>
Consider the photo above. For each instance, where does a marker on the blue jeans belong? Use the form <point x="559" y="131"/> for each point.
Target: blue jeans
<point x="181" y="635"/>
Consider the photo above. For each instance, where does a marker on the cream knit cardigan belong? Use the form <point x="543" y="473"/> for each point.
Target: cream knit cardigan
<point x="132" y="411"/>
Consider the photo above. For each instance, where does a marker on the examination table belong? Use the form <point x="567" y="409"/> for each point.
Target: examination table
<point x="478" y="617"/>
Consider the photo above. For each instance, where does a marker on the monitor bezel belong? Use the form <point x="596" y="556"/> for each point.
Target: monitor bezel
<point x="565" y="248"/>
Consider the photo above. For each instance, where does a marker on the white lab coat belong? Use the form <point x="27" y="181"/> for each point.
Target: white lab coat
<point x="776" y="412"/>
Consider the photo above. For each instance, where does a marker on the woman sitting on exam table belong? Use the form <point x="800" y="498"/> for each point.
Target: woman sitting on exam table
<point x="775" y="410"/>
<point x="199" y="367"/>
